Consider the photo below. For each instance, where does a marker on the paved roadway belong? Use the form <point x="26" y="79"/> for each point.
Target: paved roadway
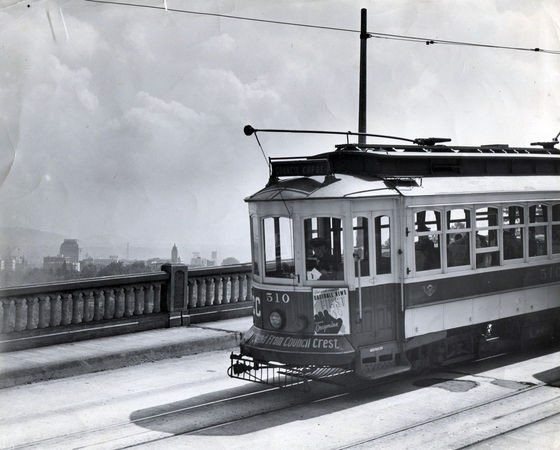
<point x="503" y="402"/>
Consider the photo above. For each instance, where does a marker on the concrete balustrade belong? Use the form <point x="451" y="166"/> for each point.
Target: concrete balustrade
<point x="77" y="309"/>
<point x="210" y="287"/>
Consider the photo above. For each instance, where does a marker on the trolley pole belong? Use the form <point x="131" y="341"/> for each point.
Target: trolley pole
<point x="363" y="78"/>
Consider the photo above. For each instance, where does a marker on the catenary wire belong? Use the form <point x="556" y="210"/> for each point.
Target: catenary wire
<point x="374" y="34"/>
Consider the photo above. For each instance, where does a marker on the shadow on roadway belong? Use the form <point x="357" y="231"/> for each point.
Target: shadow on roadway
<point x="219" y="413"/>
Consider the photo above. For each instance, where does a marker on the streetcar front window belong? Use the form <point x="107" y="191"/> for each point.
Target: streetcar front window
<point x="361" y="246"/>
<point x="254" y="223"/>
<point x="382" y="245"/>
<point x="324" y="248"/>
<point x="278" y="247"/>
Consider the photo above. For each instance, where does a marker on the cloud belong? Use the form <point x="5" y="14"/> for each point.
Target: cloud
<point x="137" y="118"/>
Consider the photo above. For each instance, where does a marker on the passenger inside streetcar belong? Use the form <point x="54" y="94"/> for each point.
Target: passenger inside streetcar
<point x="458" y="250"/>
<point x="323" y="265"/>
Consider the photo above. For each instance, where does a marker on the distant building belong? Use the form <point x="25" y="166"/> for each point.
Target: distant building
<point x="229" y="261"/>
<point x="198" y="261"/>
<point x="54" y="263"/>
<point x="214" y="258"/>
<point x="100" y="262"/>
<point x="154" y="264"/>
<point x="12" y="263"/>
<point x="70" y="249"/>
<point x="175" y="255"/>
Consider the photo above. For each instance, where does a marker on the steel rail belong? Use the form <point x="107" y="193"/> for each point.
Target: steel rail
<point x="446" y="415"/>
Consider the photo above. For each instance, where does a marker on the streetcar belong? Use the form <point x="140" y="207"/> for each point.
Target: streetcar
<point x="378" y="259"/>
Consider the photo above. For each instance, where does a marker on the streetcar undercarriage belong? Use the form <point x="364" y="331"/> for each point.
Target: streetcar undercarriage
<point x="480" y="341"/>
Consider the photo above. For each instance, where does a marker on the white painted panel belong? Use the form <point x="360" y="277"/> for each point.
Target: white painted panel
<point x="423" y="320"/>
<point x="535" y="299"/>
<point x="553" y="296"/>
<point x="458" y="314"/>
<point x="428" y="319"/>
<point x="486" y="308"/>
<point x="511" y="304"/>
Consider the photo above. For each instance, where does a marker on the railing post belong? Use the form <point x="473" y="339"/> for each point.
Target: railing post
<point x="176" y="301"/>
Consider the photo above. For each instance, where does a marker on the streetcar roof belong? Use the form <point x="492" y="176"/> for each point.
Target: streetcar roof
<point x="351" y="186"/>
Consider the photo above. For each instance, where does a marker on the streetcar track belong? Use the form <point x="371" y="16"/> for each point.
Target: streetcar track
<point x="441" y="417"/>
<point x="503" y="433"/>
<point x="377" y="383"/>
<point x="450" y="414"/>
<point x="136" y="421"/>
<point x="367" y="386"/>
<point x="189" y="408"/>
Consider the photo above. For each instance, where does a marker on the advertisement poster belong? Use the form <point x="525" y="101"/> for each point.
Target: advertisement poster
<point x="331" y="311"/>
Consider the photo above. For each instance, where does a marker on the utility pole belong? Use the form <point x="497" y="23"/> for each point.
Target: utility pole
<point x="363" y="78"/>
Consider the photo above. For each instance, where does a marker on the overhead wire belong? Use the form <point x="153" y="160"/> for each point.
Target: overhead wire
<point x="374" y="34"/>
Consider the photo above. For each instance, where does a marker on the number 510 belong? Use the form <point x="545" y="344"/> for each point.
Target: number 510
<point x="276" y="298"/>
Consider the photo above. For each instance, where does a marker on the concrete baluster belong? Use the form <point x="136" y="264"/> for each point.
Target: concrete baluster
<point x="99" y="308"/>
<point x="32" y="313"/>
<point x="138" y="300"/>
<point x="21" y="314"/>
<point x="192" y="293"/>
<point x="235" y="289"/>
<point x="89" y="306"/>
<point x="211" y="292"/>
<point x="119" y="303"/>
<point x="9" y="322"/>
<point x="149" y="299"/>
<point x="244" y="279"/>
<point x="67" y="307"/>
<point x="44" y="311"/>
<point x="77" y="308"/>
<point x="219" y="291"/>
<point x="157" y="298"/>
<point x="249" y="288"/>
<point x="227" y="290"/>
<point x="109" y="312"/>
<point x="56" y="310"/>
<point x="201" y="300"/>
<point x="129" y="301"/>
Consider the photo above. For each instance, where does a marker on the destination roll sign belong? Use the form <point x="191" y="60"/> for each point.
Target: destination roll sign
<point x="301" y="168"/>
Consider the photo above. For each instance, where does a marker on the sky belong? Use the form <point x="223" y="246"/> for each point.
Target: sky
<point x="128" y="123"/>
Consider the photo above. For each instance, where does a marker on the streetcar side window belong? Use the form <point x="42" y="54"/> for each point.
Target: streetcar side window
<point x="382" y="245"/>
<point x="487" y="248"/>
<point x="458" y="237"/>
<point x="278" y="247"/>
<point x="538" y="224"/>
<point x="254" y="223"/>
<point x="360" y="230"/>
<point x="513" y="230"/>
<point x="324" y="248"/>
<point x="427" y="240"/>
<point x="556" y="229"/>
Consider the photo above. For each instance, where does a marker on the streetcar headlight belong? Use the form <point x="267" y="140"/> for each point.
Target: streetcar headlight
<point x="275" y="319"/>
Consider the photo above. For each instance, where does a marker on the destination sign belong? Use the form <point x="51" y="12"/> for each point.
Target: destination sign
<point x="301" y="168"/>
<point x="301" y="343"/>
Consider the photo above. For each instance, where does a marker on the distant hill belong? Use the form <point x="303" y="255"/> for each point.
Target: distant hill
<point x="33" y="244"/>
<point x="15" y="236"/>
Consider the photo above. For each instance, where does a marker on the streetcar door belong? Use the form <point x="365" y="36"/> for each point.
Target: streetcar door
<point x="374" y="268"/>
